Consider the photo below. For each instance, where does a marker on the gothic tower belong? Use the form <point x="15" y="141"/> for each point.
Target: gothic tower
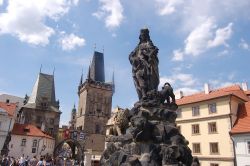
<point x="72" y="122"/>
<point x="41" y="108"/>
<point x="94" y="108"/>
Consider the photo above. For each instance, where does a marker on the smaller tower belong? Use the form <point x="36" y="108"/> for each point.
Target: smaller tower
<point x="72" y="122"/>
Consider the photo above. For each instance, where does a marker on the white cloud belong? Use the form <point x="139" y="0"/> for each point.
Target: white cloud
<point x="222" y="34"/>
<point x="183" y="80"/>
<point x="204" y="37"/>
<point x="111" y="11"/>
<point x="186" y="79"/>
<point x="178" y="55"/>
<point x="186" y="91"/>
<point x="166" y="7"/>
<point x="223" y="53"/>
<point x="26" y="19"/>
<point x="1" y="2"/>
<point x="197" y="41"/>
<point x="70" y="42"/>
<point x="244" y="45"/>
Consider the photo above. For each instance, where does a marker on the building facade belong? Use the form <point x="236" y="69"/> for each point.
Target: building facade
<point x="7" y="120"/>
<point x="12" y="99"/>
<point x="240" y="134"/>
<point x="28" y="140"/>
<point x="206" y="118"/>
<point x="94" y="108"/>
<point x="41" y="107"/>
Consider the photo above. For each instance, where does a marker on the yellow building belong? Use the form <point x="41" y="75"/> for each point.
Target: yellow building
<point x="205" y="120"/>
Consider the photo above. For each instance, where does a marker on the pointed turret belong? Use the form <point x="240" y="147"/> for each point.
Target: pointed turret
<point x="80" y="83"/>
<point x="97" y="67"/>
<point x="43" y="90"/>
<point x="88" y="77"/>
<point x="74" y="109"/>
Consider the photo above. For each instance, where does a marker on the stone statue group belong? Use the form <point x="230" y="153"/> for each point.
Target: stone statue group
<point x="146" y="135"/>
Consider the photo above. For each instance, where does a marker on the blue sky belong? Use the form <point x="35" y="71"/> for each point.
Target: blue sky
<point x="199" y="42"/>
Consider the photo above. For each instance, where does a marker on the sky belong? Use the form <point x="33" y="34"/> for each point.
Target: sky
<point x="199" y="42"/>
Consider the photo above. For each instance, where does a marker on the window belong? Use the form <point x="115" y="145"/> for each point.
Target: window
<point x="33" y="150"/>
<point x="178" y="112"/>
<point x="97" y="129"/>
<point x="212" y="127"/>
<point x="214" y="164"/>
<point x="51" y="131"/>
<point x="248" y="147"/>
<point x="214" y="148"/>
<point x="34" y="145"/>
<point x="196" y="111"/>
<point x="23" y="143"/>
<point x="195" y="129"/>
<point x="51" y="121"/>
<point x="212" y="108"/>
<point x="196" y="148"/>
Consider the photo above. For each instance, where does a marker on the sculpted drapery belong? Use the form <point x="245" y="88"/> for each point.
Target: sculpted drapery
<point x="144" y="63"/>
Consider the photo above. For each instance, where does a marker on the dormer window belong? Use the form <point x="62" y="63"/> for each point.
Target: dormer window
<point x="26" y="130"/>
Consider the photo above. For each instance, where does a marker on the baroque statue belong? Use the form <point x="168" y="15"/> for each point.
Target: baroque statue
<point x="144" y="63"/>
<point x="147" y="135"/>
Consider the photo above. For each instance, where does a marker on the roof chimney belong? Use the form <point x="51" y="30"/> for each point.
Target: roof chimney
<point x="179" y="94"/>
<point x="206" y="88"/>
<point x="244" y="86"/>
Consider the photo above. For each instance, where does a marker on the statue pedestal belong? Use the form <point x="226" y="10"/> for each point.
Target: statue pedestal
<point x="151" y="139"/>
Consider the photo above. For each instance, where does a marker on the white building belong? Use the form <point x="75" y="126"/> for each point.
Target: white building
<point x="240" y="134"/>
<point x="7" y="120"/>
<point x="12" y="99"/>
<point x="28" y="140"/>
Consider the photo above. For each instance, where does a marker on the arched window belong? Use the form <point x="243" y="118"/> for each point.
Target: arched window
<point x="97" y="129"/>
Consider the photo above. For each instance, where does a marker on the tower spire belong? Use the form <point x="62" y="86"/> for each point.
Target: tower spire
<point x="81" y="79"/>
<point x="88" y="77"/>
<point x="41" y="68"/>
<point x="97" y="67"/>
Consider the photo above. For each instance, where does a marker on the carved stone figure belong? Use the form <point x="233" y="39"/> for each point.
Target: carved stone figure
<point x="144" y="63"/>
<point x="121" y="122"/>
<point x="167" y="93"/>
<point x="146" y="135"/>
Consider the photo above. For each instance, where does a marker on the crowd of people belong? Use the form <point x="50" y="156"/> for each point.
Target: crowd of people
<point x="42" y="161"/>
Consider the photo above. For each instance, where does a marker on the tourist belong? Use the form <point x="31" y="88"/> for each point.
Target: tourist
<point x="33" y="161"/>
<point x="40" y="162"/>
<point x="68" y="162"/>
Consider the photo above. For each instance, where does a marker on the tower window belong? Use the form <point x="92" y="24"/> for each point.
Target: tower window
<point x="97" y="129"/>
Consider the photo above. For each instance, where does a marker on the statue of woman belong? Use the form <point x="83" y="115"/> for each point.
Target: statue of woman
<point x="144" y="63"/>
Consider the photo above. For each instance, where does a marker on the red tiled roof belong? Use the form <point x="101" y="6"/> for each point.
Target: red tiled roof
<point x="19" y="129"/>
<point x="198" y="97"/>
<point x="242" y="124"/>
<point x="10" y="108"/>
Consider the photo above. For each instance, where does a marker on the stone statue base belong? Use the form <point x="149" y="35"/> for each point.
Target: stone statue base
<point x="151" y="139"/>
